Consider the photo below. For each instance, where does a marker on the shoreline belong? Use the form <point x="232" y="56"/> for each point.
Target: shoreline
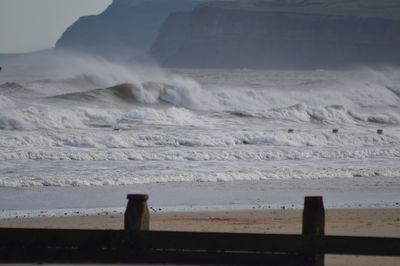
<point x="160" y="210"/>
<point x="338" y="193"/>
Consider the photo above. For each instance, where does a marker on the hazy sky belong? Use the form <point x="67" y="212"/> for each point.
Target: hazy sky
<point x="28" y="25"/>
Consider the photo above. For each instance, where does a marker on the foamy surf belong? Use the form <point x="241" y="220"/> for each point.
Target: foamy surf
<point x="89" y="122"/>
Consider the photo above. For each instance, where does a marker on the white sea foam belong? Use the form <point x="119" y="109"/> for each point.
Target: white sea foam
<point x="53" y="117"/>
<point x="155" y="172"/>
<point x="6" y="103"/>
<point x="34" y="118"/>
<point x="192" y="125"/>
<point x="233" y="154"/>
<point x="193" y="144"/>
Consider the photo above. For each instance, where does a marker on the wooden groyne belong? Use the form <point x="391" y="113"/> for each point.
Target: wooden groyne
<point x="137" y="244"/>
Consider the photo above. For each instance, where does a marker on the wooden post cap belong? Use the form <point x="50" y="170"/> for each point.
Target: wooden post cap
<point x="313" y="200"/>
<point x="137" y="215"/>
<point x="137" y="197"/>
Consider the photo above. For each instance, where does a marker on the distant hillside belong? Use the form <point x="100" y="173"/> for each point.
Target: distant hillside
<point x="386" y="9"/>
<point x="291" y="34"/>
<point x="125" y="28"/>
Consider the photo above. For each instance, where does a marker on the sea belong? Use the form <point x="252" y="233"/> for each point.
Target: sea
<point x="78" y="133"/>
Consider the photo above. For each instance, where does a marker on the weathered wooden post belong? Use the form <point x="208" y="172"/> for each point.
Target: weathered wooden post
<point x="137" y="215"/>
<point x="314" y="225"/>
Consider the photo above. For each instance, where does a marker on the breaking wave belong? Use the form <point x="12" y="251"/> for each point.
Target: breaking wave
<point x="188" y="93"/>
<point x="74" y="87"/>
<point x="39" y="117"/>
<point x="164" y="104"/>
<point x="6" y="103"/>
<point x="335" y="114"/>
<point x="199" y="126"/>
<point x="42" y="117"/>
<point x="107" y="177"/>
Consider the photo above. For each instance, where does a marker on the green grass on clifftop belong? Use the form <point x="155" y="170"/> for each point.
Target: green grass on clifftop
<point x="387" y="9"/>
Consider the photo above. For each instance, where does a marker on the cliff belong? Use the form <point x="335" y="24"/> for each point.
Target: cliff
<point x="125" y="28"/>
<point x="268" y="35"/>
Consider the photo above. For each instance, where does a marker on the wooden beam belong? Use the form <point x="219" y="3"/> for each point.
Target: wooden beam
<point x="61" y="255"/>
<point x="273" y="243"/>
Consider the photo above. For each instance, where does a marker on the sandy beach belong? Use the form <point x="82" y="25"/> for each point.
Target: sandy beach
<point x="354" y="222"/>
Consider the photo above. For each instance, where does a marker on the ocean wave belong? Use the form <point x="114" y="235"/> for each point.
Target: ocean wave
<point x="85" y="121"/>
<point x="316" y="107"/>
<point x="109" y="176"/>
<point x="77" y="117"/>
<point x="335" y="114"/>
<point x="6" y="103"/>
<point x="332" y="99"/>
<point x="77" y="82"/>
<point x="35" y="117"/>
<point x="14" y="89"/>
<point x="180" y="93"/>
<point x="39" y="118"/>
<point x="10" y="87"/>
<point x="236" y="154"/>
<point x="142" y="93"/>
<point x="147" y="143"/>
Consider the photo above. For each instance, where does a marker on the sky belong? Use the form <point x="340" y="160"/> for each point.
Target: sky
<point x="31" y="25"/>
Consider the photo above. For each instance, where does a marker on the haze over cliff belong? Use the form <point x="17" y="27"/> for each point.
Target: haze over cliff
<point x="124" y="29"/>
<point x="281" y="34"/>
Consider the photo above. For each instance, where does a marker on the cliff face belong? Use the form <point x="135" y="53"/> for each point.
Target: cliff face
<point x="125" y="28"/>
<point x="232" y="38"/>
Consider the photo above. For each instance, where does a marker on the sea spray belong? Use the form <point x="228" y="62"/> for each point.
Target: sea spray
<point x="77" y="120"/>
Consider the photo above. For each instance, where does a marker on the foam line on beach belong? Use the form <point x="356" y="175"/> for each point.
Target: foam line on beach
<point x="81" y="212"/>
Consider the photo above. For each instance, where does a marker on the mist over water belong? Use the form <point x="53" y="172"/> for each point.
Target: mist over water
<point x="77" y="120"/>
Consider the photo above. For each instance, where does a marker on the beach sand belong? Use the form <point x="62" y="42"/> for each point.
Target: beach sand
<point x="352" y="222"/>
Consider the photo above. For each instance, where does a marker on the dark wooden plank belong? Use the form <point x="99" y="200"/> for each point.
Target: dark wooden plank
<point x="200" y="241"/>
<point x="373" y="246"/>
<point x="154" y="240"/>
<point x="63" y="237"/>
<point x="57" y="255"/>
<point x="272" y="243"/>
